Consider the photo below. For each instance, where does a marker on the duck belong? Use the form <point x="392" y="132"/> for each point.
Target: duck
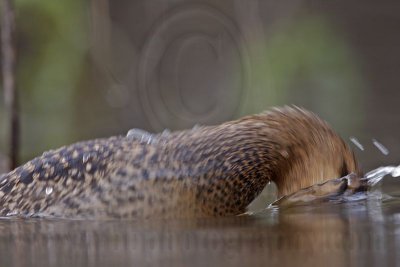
<point x="207" y="171"/>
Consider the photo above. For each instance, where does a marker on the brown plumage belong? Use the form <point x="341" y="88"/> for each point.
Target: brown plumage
<point x="206" y="171"/>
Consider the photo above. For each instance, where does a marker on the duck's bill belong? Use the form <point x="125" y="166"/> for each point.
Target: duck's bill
<point x="324" y="192"/>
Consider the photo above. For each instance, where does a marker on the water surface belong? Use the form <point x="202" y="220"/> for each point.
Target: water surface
<point x="360" y="233"/>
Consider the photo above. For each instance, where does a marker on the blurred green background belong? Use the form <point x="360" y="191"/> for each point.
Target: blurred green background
<point x="89" y="69"/>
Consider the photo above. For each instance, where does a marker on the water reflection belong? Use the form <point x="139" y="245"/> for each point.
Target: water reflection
<point x="365" y="232"/>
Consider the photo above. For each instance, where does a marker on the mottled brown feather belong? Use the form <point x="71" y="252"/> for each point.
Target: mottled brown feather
<point x="206" y="171"/>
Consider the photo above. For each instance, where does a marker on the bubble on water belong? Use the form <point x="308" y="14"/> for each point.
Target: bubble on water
<point x="356" y="143"/>
<point x="381" y="147"/>
<point x="49" y="190"/>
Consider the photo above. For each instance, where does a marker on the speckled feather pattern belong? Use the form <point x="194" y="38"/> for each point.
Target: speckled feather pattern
<point x="206" y="171"/>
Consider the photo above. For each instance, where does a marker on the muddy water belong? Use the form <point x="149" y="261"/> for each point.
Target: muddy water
<point x="361" y="233"/>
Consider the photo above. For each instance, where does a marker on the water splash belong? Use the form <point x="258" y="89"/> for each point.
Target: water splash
<point x="346" y="189"/>
<point x="375" y="176"/>
<point x="11" y="213"/>
<point x="145" y="137"/>
<point x="165" y="133"/>
<point x="381" y="147"/>
<point x="356" y="143"/>
<point x="377" y="144"/>
<point x="140" y="135"/>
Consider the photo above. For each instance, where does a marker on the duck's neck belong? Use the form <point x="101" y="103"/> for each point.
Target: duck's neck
<point x="290" y="147"/>
<point x="312" y="152"/>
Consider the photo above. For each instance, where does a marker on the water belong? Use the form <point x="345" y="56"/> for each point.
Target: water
<point x="381" y="147"/>
<point x="49" y="190"/>
<point x="363" y="232"/>
<point x="357" y="143"/>
<point x="146" y="137"/>
<point x="375" y="176"/>
<point x="338" y="190"/>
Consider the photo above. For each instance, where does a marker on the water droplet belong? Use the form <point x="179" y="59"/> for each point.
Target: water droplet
<point x="356" y="143"/>
<point x="381" y="147"/>
<point x="149" y="140"/>
<point x="47" y="153"/>
<point x="88" y="167"/>
<point x="3" y="182"/>
<point x="396" y="171"/>
<point x="196" y="127"/>
<point x="85" y="157"/>
<point x="165" y="133"/>
<point x="140" y="135"/>
<point x="49" y="190"/>
<point x="12" y="213"/>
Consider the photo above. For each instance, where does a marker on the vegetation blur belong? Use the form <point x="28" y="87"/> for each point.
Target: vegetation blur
<point x="89" y="69"/>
